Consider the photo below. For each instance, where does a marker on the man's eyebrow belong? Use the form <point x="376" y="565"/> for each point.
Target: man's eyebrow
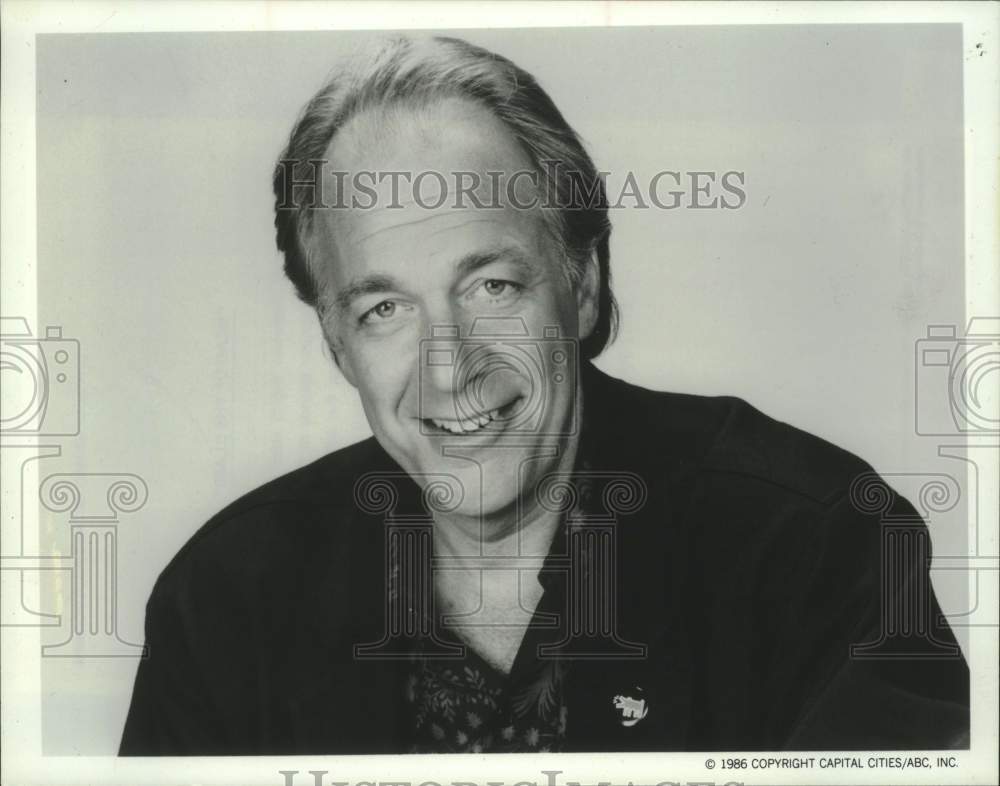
<point x="369" y="285"/>
<point x="480" y="259"/>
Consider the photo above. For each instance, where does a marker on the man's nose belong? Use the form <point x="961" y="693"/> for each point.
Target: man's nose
<point x="439" y="359"/>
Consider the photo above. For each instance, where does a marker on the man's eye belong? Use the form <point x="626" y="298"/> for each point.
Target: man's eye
<point x="384" y="310"/>
<point x="495" y="287"/>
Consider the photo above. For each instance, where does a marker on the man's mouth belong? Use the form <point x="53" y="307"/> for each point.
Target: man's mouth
<point x="473" y="423"/>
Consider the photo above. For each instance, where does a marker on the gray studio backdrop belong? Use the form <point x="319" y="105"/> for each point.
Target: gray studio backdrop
<point x="201" y="374"/>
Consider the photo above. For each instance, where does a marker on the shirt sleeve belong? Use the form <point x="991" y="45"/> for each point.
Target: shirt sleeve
<point x="172" y="712"/>
<point x="878" y="662"/>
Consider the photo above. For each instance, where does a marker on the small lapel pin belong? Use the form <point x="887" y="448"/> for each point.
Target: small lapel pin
<point x="631" y="710"/>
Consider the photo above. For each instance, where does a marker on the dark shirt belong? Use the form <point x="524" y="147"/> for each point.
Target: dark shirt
<point x="744" y="572"/>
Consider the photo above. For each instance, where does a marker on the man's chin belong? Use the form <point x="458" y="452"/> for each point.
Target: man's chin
<point x="480" y="498"/>
<point x="469" y="489"/>
<point x="489" y="481"/>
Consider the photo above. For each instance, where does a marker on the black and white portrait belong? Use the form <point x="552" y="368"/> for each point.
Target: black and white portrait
<point x="528" y="390"/>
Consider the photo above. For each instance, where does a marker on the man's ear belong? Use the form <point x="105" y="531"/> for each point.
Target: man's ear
<point x="587" y="296"/>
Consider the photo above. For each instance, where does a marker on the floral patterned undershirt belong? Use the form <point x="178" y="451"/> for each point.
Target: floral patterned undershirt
<point x="467" y="706"/>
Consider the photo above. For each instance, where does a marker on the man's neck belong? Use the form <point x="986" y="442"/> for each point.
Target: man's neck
<point x="527" y="531"/>
<point x="491" y="609"/>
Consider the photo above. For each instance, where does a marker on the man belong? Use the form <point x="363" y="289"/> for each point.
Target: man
<point x="528" y="555"/>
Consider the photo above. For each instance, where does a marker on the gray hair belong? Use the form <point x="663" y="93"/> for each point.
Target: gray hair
<point x="408" y="71"/>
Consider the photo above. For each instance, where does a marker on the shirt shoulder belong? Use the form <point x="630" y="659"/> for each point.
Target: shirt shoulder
<point x="758" y="447"/>
<point x="722" y="435"/>
<point x="277" y="525"/>
<point x="726" y="439"/>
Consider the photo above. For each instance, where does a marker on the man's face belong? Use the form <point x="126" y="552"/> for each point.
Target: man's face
<point x="499" y="411"/>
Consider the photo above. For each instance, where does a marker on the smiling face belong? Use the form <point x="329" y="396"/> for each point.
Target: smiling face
<point x="399" y="280"/>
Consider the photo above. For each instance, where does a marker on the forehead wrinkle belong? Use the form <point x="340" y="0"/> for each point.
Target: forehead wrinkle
<point x="400" y="225"/>
<point x="469" y="220"/>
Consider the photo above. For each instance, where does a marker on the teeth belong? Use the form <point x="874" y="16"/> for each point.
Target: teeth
<point x="467" y="425"/>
